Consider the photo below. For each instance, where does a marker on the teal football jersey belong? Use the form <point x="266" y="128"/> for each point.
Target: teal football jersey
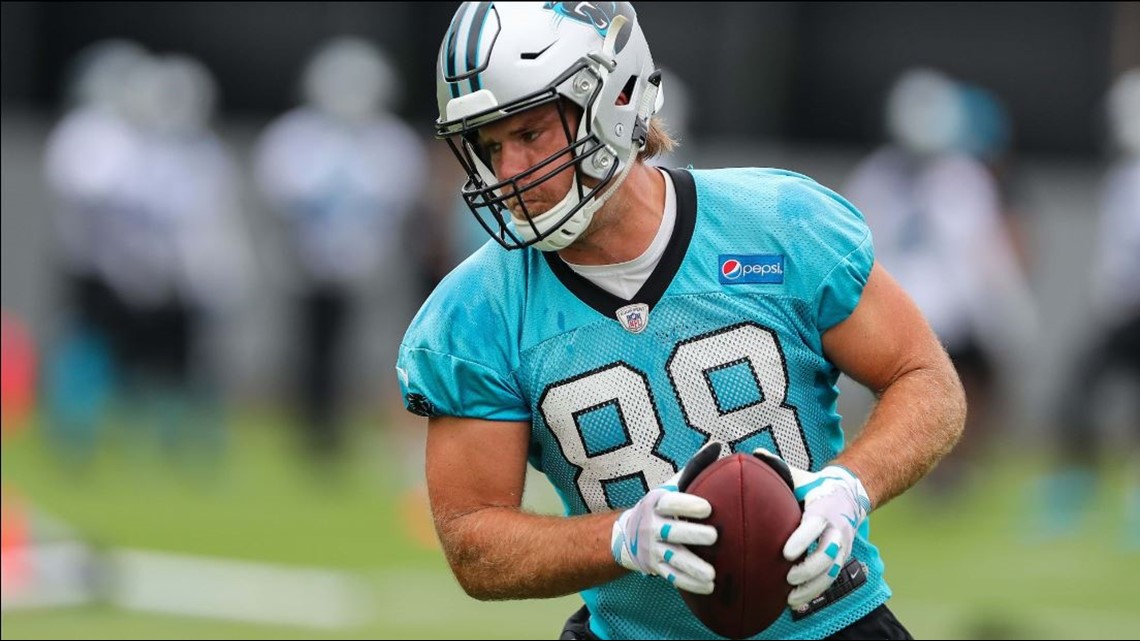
<point x="722" y="342"/>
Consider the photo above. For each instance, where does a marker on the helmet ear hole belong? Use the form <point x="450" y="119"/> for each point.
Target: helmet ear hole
<point x="626" y="94"/>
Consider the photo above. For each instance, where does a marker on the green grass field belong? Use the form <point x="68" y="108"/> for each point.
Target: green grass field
<point x="969" y="567"/>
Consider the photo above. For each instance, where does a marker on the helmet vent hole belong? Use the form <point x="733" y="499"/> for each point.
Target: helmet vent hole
<point x="626" y="94"/>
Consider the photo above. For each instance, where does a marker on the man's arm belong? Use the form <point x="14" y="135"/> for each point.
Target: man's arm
<point x="887" y="345"/>
<point x="475" y="474"/>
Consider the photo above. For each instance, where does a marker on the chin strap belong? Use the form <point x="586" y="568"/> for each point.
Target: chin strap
<point x="646" y="107"/>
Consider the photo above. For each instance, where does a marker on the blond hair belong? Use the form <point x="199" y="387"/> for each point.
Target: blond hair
<point x="658" y="140"/>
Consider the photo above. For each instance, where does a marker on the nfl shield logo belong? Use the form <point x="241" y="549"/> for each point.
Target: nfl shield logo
<point x="634" y="317"/>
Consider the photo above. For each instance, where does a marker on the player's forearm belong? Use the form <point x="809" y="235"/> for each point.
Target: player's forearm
<point x="504" y="553"/>
<point x="918" y="419"/>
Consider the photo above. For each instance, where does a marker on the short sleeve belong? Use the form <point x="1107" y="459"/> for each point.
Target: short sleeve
<point x="439" y="384"/>
<point x="840" y="290"/>
<point x="460" y="353"/>
<point x="836" y="250"/>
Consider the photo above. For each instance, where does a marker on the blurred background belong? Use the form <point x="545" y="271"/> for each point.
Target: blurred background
<point x="218" y="219"/>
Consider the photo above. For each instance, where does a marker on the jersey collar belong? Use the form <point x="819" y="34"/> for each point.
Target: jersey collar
<point x="654" y="288"/>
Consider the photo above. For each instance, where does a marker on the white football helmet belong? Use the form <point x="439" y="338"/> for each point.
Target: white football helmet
<point x="350" y="78"/>
<point x="925" y="112"/>
<point x="171" y="94"/>
<point x="498" y="59"/>
<point x="97" y="77"/>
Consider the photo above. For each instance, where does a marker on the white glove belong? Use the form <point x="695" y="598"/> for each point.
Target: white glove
<point x="650" y="538"/>
<point x="835" y="504"/>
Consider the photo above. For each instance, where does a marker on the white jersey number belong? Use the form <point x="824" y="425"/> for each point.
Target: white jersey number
<point x="627" y="390"/>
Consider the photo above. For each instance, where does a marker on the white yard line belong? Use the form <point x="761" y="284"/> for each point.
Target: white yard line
<point x="68" y="574"/>
<point x="47" y="575"/>
<point x="62" y="574"/>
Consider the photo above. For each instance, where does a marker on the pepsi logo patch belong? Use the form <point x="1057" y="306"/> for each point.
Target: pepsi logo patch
<point x="747" y="269"/>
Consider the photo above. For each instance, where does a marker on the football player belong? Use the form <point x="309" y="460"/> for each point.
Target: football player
<point x="1115" y="348"/>
<point x="937" y="215"/>
<point x="627" y="316"/>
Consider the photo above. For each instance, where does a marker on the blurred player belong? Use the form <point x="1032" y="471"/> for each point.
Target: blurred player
<point x="344" y="173"/>
<point x="1116" y="347"/>
<point x="87" y="156"/>
<point x="148" y="217"/>
<point x="625" y="317"/>
<point x="936" y="213"/>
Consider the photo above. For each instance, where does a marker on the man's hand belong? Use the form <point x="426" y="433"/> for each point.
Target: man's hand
<point x="835" y="504"/>
<point x="650" y="538"/>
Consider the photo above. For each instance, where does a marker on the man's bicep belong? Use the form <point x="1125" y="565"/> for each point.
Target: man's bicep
<point x="474" y="464"/>
<point x="884" y="337"/>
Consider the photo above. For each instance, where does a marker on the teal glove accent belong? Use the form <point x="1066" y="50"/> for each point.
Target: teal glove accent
<point x="835" y="505"/>
<point x="651" y="536"/>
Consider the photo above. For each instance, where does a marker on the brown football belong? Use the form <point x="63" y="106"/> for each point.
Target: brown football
<point x="754" y="513"/>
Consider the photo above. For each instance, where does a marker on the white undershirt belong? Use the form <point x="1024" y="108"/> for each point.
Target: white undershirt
<point x="625" y="279"/>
